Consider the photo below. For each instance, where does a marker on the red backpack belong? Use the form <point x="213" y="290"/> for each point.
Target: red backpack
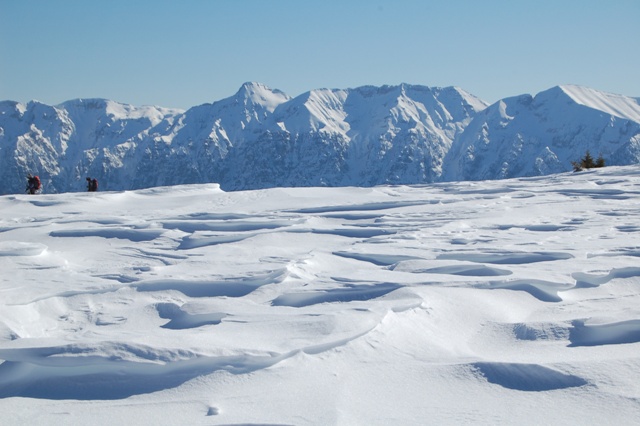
<point x="36" y="182"/>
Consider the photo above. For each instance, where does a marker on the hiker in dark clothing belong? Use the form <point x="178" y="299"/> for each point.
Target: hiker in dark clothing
<point x="33" y="184"/>
<point x="92" y="184"/>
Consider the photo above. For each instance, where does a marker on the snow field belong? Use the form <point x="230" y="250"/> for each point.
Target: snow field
<point x="494" y="302"/>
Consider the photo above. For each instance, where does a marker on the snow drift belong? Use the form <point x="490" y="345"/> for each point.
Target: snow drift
<point x="494" y="302"/>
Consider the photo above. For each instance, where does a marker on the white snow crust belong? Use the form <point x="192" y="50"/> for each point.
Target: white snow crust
<point x="463" y="303"/>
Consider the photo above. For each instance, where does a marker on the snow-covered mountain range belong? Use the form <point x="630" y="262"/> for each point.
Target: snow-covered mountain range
<point x="261" y="138"/>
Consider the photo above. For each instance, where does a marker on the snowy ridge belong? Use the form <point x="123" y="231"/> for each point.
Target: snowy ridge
<point x="317" y="110"/>
<point x="452" y="302"/>
<point x="616" y="105"/>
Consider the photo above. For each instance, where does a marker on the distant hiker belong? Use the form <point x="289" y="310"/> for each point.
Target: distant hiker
<point x="33" y="184"/>
<point x="92" y="184"/>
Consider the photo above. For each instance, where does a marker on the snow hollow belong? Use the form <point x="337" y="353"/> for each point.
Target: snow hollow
<point x="491" y="302"/>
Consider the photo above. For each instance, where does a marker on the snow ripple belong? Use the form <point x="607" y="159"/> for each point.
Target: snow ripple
<point x="181" y="320"/>
<point x="545" y="291"/>
<point x="134" y="235"/>
<point x="616" y="333"/>
<point x="107" y="378"/>
<point x="584" y="280"/>
<point x="349" y="293"/>
<point x="507" y="258"/>
<point x="16" y="248"/>
<point x="237" y="287"/>
<point x="527" y="377"/>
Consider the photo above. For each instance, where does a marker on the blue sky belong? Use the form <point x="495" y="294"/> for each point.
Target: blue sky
<point x="189" y="52"/>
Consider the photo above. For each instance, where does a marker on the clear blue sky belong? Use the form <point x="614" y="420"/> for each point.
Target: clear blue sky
<point x="187" y="52"/>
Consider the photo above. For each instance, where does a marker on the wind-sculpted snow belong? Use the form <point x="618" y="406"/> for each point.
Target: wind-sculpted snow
<point x="230" y="287"/>
<point x="527" y="377"/>
<point x="135" y="235"/>
<point x="452" y="302"/>
<point x="347" y="293"/>
<point x="541" y="331"/>
<point x="506" y="258"/>
<point x="377" y="259"/>
<point x="359" y="207"/>
<point x="616" y="333"/>
<point x="594" y="280"/>
<point x="179" y="319"/>
<point x="14" y="248"/>
<point x="543" y="290"/>
<point x="224" y="225"/>
<point x="465" y="270"/>
<point x="110" y="372"/>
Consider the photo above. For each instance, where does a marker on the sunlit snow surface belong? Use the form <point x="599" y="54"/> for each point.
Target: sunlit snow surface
<point x="501" y="302"/>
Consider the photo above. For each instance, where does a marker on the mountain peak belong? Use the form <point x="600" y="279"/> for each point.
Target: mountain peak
<point x="254" y="85"/>
<point x="253" y="93"/>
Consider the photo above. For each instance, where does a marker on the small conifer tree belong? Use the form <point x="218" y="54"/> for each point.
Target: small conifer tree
<point x="587" y="162"/>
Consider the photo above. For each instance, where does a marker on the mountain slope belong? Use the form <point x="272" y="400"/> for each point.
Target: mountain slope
<point x="361" y="137"/>
<point x="531" y="136"/>
<point x="261" y="137"/>
<point x="255" y="139"/>
<point x="66" y="142"/>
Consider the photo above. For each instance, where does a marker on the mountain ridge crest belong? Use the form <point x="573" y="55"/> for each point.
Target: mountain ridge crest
<point x="261" y="137"/>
